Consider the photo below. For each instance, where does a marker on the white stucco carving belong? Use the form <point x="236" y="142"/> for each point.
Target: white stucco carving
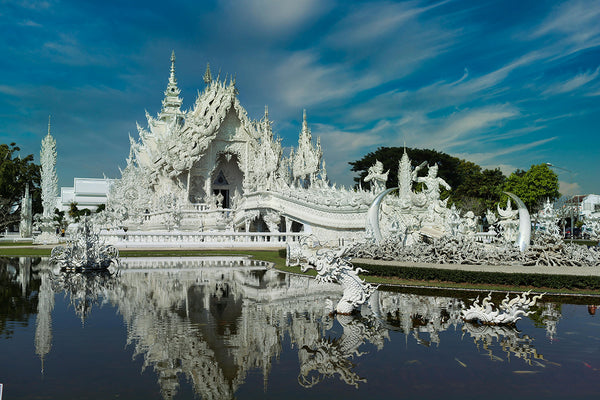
<point x="336" y="267"/>
<point x="85" y="251"/>
<point x="26" y="224"/>
<point x="49" y="183"/>
<point x="49" y="179"/>
<point x="507" y="313"/>
<point x="377" y="177"/>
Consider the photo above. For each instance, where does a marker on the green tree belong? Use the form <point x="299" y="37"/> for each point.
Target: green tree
<point x="479" y="190"/>
<point x="15" y="173"/>
<point x="533" y="186"/>
<point x="59" y="217"/>
<point x="75" y="213"/>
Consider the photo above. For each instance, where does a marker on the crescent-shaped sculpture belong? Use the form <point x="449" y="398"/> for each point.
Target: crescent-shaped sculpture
<point x="524" y="223"/>
<point x="373" y="215"/>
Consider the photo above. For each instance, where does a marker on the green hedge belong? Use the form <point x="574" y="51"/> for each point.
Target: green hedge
<point x="283" y="253"/>
<point x="477" y="277"/>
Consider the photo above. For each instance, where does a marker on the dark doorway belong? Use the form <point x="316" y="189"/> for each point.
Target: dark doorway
<point x="225" y="194"/>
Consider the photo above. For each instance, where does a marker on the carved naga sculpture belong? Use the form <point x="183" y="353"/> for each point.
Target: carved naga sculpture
<point x="335" y="267"/>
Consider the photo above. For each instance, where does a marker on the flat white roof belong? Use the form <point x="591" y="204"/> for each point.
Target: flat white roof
<point x="91" y="186"/>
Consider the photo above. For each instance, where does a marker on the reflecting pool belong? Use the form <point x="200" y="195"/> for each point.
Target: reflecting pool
<point x="221" y="328"/>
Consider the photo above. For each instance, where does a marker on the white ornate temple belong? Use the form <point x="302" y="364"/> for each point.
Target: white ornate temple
<point x="213" y="169"/>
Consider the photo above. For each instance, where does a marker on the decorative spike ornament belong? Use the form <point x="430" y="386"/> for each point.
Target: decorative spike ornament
<point x="207" y="75"/>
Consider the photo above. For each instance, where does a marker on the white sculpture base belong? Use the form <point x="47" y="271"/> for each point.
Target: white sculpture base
<point x="46" y="238"/>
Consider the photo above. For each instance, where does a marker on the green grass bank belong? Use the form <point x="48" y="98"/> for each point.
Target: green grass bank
<point x="406" y="276"/>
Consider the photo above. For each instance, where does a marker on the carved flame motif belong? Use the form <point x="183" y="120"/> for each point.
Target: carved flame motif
<point x="508" y="313"/>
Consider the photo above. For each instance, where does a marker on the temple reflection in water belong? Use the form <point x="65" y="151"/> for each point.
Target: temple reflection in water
<point x="213" y="320"/>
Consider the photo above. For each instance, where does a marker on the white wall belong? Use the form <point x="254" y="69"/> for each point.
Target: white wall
<point x="86" y="192"/>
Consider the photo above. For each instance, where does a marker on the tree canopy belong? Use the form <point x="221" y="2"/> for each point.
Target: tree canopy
<point x="15" y="174"/>
<point x="473" y="188"/>
<point x="533" y="186"/>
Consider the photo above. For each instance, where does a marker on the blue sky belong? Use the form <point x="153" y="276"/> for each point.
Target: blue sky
<point x="501" y="83"/>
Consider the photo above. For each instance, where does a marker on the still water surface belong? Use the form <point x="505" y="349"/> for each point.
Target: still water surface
<point x="230" y="328"/>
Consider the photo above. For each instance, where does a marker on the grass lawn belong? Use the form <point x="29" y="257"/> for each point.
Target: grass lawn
<point x="278" y="259"/>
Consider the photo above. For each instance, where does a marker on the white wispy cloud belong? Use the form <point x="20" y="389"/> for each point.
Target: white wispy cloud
<point x="370" y="23"/>
<point x="573" y="24"/>
<point x="510" y="134"/>
<point x="34" y="4"/>
<point x="573" y="83"/>
<point x="488" y="158"/>
<point x="304" y="81"/>
<point x="68" y="49"/>
<point x="569" y="188"/>
<point x="373" y="37"/>
<point x="272" y="17"/>
<point x="30" y="23"/>
<point x="471" y="122"/>
<point x="10" y="90"/>
<point x="441" y="94"/>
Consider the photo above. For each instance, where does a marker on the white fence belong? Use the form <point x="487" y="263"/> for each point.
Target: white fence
<point x="486" y="237"/>
<point x="175" y="239"/>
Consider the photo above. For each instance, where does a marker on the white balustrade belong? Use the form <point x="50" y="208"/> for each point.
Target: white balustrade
<point x="177" y="239"/>
<point x="485" y="237"/>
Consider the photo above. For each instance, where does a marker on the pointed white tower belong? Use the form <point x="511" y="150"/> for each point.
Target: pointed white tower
<point x="49" y="178"/>
<point x="171" y="105"/>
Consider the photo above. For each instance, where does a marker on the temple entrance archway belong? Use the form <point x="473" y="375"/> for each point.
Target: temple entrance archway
<point x="227" y="178"/>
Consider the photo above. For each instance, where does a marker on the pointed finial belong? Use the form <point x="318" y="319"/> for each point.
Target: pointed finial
<point x="48" y="124"/>
<point x="172" y="77"/>
<point x="266" y="112"/>
<point x="304" y="123"/>
<point x="207" y="75"/>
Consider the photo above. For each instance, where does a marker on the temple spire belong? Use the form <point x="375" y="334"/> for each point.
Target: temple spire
<point x="172" y="76"/>
<point x="49" y="180"/>
<point x="207" y="74"/>
<point x="171" y="105"/>
<point x="304" y="123"/>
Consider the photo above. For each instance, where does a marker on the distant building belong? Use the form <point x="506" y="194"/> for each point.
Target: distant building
<point x="590" y="204"/>
<point x="86" y="192"/>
